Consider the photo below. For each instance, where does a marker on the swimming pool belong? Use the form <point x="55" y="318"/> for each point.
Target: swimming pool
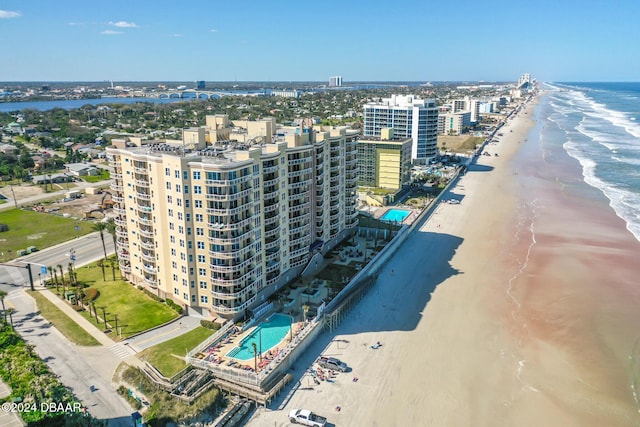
<point x="266" y="336"/>
<point x="395" y="215"/>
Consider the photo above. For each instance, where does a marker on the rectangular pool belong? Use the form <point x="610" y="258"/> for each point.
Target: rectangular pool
<point x="395" y="215"/>
<point x="266" y="336"/>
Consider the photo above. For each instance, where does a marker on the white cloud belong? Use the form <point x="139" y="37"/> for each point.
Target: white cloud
<point x="213" y="30"/>
<point x="123" y="24"/>
<point x="111" y="32"/>
<point x="9" y="14"/>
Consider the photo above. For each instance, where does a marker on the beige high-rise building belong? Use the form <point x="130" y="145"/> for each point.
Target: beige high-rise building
<point x="219" y="228"/>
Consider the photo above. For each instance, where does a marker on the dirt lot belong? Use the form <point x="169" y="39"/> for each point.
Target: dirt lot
<point x="75" y="208"/>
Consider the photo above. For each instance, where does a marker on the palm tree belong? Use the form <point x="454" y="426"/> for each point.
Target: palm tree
<point x="255" y="356"/>
<point x="10" y="313"/>
<point x="101" y="226"/>
<point x="111" y="228"/>
<point x="2" y="295"/>
<point x="101" y="265"/>
<point x="61" y="274"/>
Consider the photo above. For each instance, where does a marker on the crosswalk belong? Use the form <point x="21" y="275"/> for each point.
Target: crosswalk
<point x="122" y="350"/>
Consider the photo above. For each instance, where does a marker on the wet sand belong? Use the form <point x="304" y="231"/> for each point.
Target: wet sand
<point x="515" y="308"/>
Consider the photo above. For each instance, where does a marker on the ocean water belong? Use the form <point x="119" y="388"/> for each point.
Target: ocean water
<point x="598" y="124"/>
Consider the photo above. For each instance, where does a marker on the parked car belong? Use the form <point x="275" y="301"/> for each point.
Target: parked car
<point x="306" y="418"/>
<point x="333" y="363"/>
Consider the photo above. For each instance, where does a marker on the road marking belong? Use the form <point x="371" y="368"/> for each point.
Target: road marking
<point x="122" y="350"/>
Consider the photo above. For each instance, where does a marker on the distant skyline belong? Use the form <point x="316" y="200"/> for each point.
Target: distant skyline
<point x="496" y="40"/>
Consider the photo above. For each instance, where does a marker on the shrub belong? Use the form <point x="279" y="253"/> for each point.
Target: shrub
<point x="209" y="325"/>
<point x="174" y="306"/>
<point x="153" y="296"/>
<point x="90" y="294"/>
<point x="4" y="227"/>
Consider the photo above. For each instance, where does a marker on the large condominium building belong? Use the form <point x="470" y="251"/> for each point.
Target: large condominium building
<point x="218" y="228"/>
<point x="384" y="162"/>
<point x="454" y="123"/>
<point x="410" y="117"/>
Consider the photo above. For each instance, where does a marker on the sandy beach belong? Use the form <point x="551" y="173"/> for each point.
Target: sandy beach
<point x="514" y="308"/>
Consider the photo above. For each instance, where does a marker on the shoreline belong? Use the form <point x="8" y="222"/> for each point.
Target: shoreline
<point x="516" y="307"/>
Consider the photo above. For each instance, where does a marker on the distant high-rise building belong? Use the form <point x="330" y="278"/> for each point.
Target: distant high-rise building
<point x="200" y="84"/>
<point x="524" y="82"/>
<point x="410" y="117"/>
<point x="335" y="81"/>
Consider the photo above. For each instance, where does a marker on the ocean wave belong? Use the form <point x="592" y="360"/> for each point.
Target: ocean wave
<point x="625" y="202"/>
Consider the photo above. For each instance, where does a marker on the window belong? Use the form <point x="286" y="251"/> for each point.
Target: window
<point x="184" y="270"/>
<point x="190" y="244"/>
<point x="178" y="186"/>
<point x="172" y="239"/>
<point x="188" y="231"/>
<point x="176" y="291"/>
<point x="188" y="217"/>
<point x="196" y="174"/>
<point x="197" y="189"/>
<point x="186" y="189"/>
<point x="180" y="215"/>
<point x="193" y="298"/>
<point x="203" y="285"/>
<point x="179" y="202"/>
<point x="199" y="231"/>
<point x="202" y="271"/>
<point x="171" y="227"/>
<point x="177" y="174"/>
<point x="185" y="297"/>
<point x="200" y="245"/>
<point x="180" y="229"/>
<point x="201" y="258"/>
<point x="187" y="203"/>
<point x="181" y="243"/>
<point x="167" y="172"/>
<point x="198" y="217"/>
<point x="169" y="199"/>
<point x="173" y="252"/>
<point x="198" y="203"/>
<point x="174" y="264"/>
<point x="168" y="185"/>
<point x="185" y="174"/>
<point x="204" y="299"/>
<point x="170" y="212"/>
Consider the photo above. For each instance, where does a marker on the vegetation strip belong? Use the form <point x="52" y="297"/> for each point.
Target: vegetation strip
<point x="69" y="328"/>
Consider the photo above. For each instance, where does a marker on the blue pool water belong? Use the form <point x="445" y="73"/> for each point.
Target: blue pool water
<point x="269" y="333"/>
<point x="395" y="215"/>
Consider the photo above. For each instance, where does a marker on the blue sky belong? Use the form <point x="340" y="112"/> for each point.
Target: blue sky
<point x="277" y="40"/>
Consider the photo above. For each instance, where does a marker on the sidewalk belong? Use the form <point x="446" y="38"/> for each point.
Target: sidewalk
<point x="77" y="317"/>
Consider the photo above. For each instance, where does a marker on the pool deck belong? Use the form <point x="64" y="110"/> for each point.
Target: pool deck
<point x="379" y="212"/>
<point x="217" y="352"/>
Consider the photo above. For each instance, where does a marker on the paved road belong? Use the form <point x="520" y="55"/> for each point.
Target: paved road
<point x="86" y="249"/>
<point x="78" y="367"/>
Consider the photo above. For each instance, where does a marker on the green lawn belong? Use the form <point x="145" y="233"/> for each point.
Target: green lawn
<point x="168" y="357"/>
<point x="104" y="175"/>
<point x="62" y="322"/>
<point x="136" y="311"/>
<point x="28" y="228"/>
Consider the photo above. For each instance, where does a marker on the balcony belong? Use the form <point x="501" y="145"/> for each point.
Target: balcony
<point x="270" y="169"/>
<point x="124" y="255"/>
<point x="243" y="280"/>
<point x="149" y="256"/>
<point x="120" y="222"/>
<point x="143" y="196"/>
<point x="146" y="233"/>
<point x="116" y="187"/>
<point x="148" y="245"/>
<point x="141" y="170"/>
<point x="141" y="183"/>
<point x="226" y="183"/>
<point x="151" y="280"/>
<point x="125" y="266"/>
<point x="150" y="268"/>
<point x="145" y="220"/>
